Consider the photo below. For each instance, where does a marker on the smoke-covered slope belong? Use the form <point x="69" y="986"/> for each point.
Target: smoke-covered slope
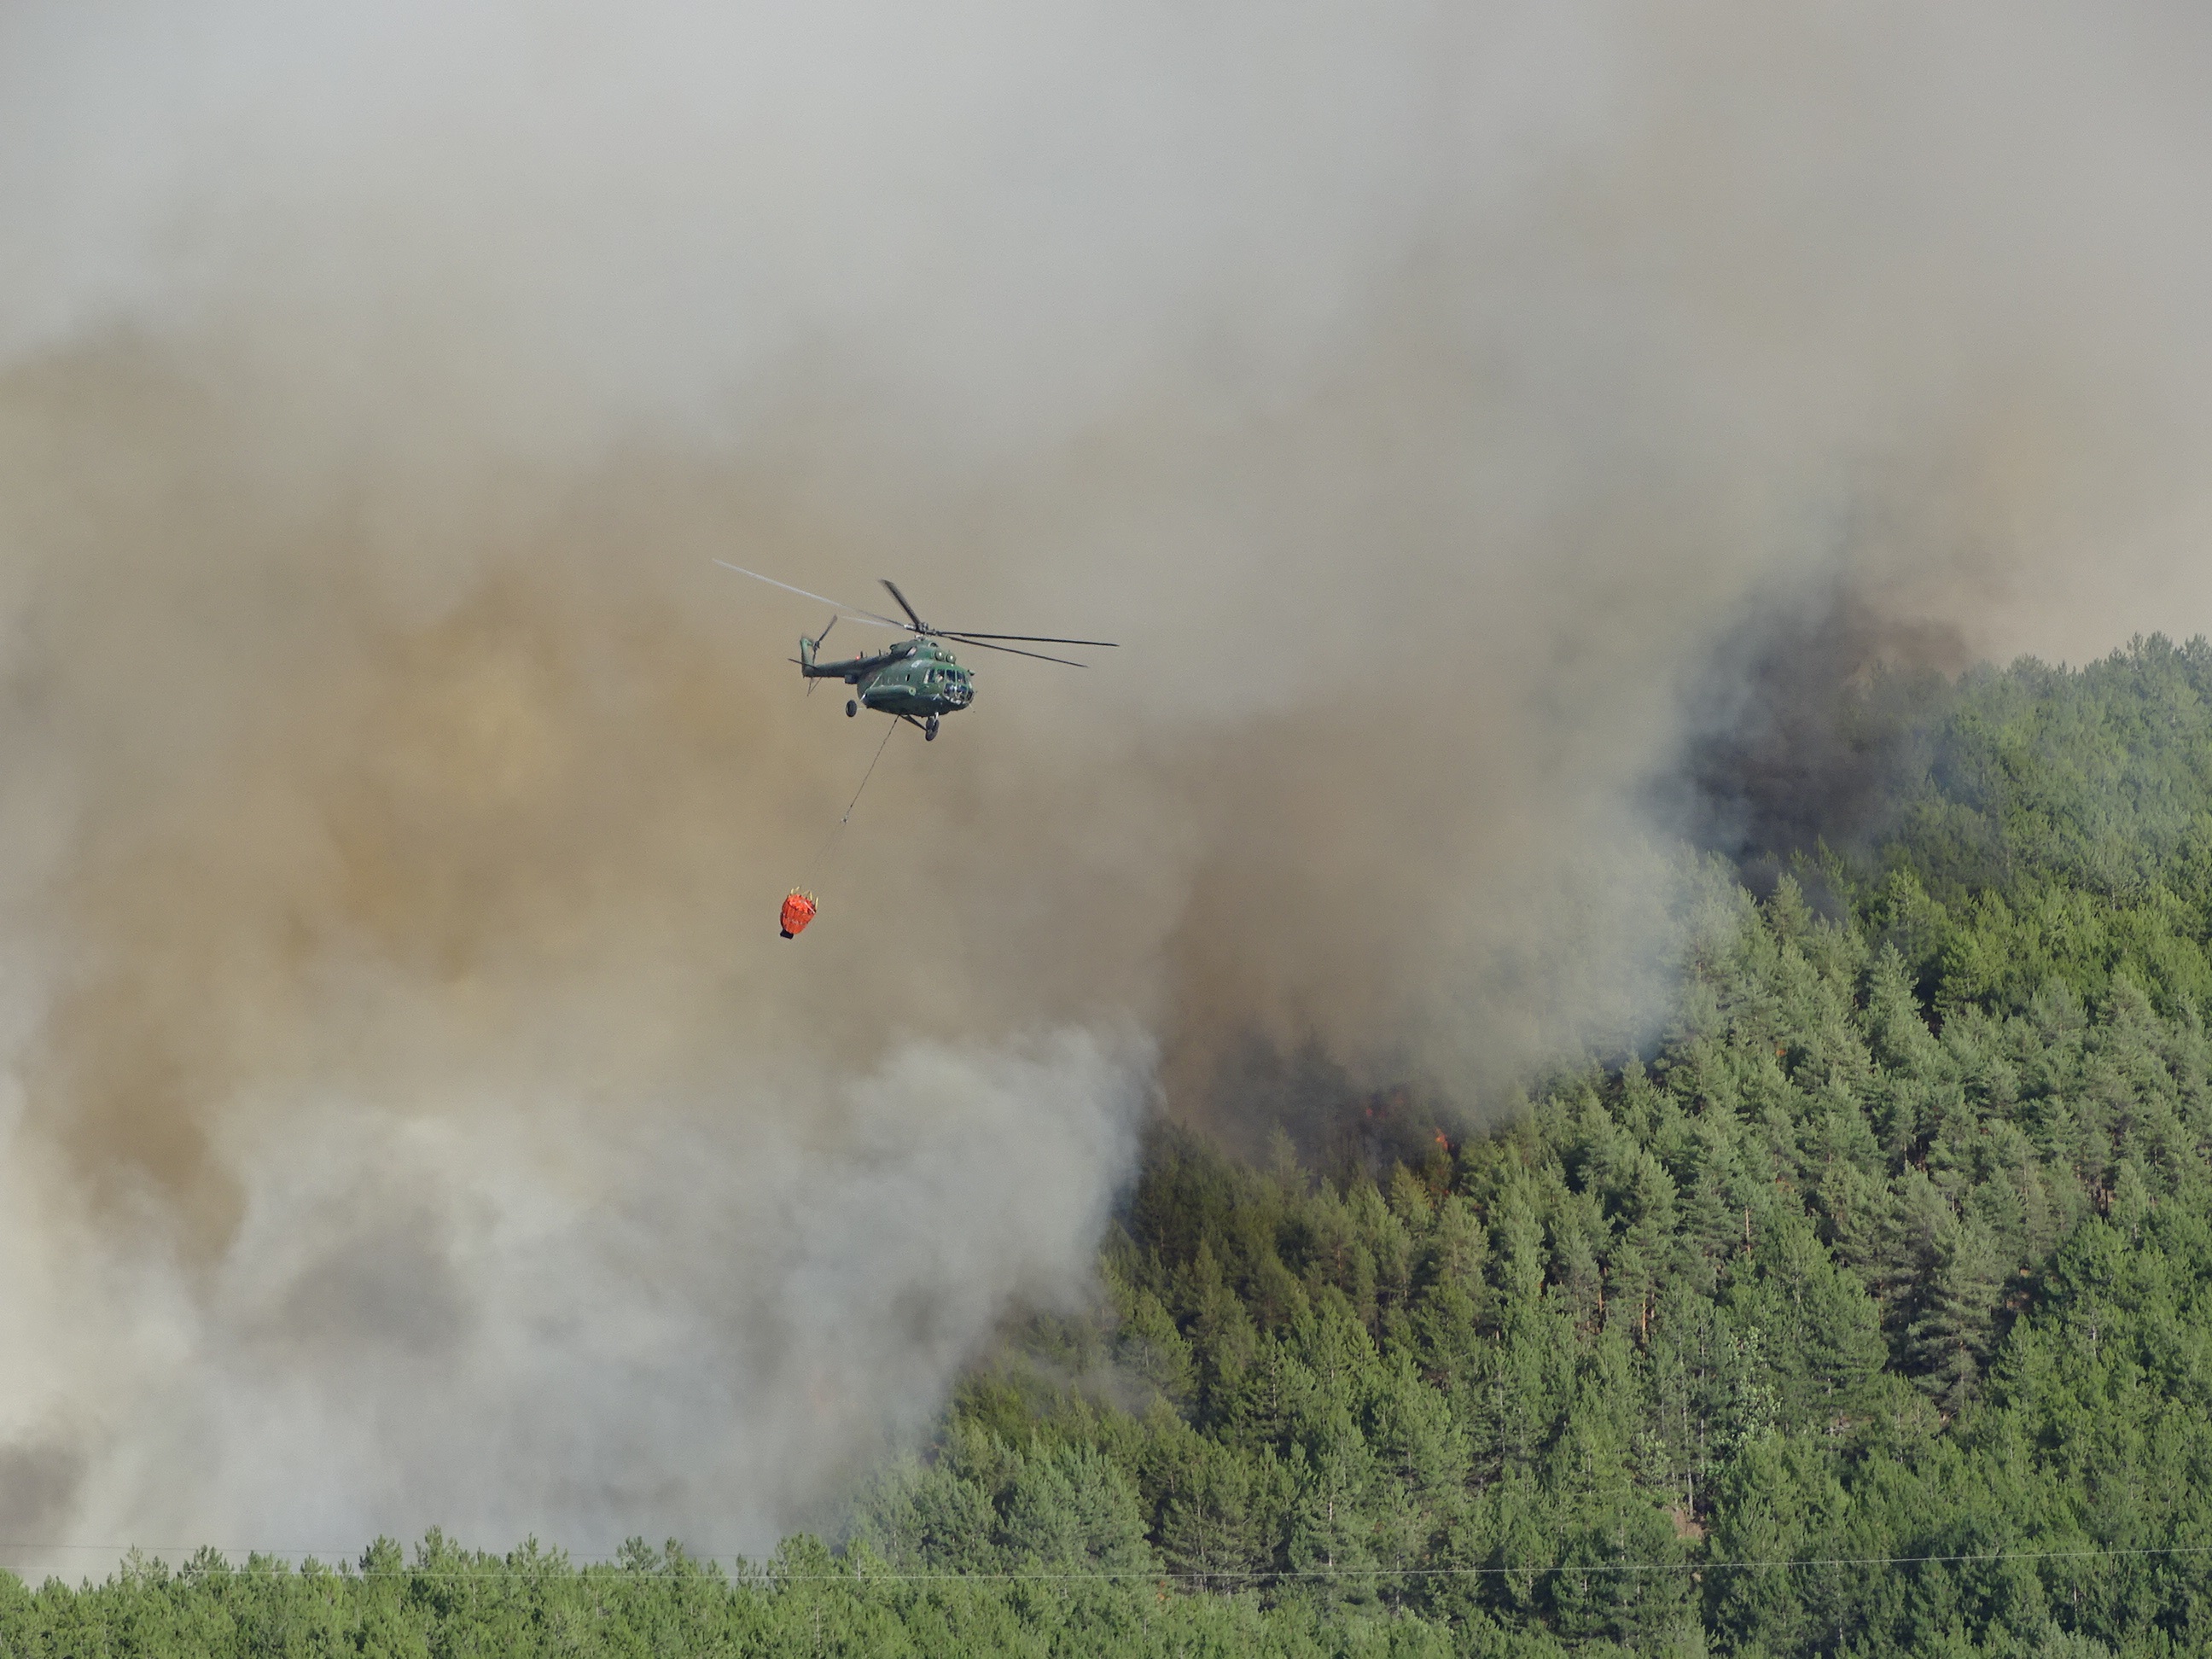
<point x="1865" y="1309"/>
<point x="1869" y="1305"/>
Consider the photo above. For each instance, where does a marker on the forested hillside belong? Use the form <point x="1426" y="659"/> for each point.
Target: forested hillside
<point x="1868" y="1311"/>
<point x="1897" y="1244"/>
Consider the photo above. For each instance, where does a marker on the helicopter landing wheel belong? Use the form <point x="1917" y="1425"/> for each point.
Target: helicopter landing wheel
<point x="929" y="730"/>
<point x="851" y="709"/>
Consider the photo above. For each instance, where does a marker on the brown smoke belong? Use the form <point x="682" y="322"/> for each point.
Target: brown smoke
<point x="413" y="1115"/>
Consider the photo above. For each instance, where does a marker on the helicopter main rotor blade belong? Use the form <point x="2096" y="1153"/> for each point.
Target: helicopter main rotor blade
<point x="985" y="645"/>
<point x="852" y="611"/>
<point x="1034" y="639"/>
<point x="920" y="626"/>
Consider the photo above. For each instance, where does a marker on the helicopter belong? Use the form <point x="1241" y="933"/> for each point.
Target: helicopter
<point x="918" y="680"/>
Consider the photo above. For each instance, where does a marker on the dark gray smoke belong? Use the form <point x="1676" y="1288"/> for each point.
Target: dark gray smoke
<point x="1807" y="727"/>
<point x="411" y="1115"/>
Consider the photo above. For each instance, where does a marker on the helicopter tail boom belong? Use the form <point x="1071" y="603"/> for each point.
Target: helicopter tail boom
<point x="849" y="669"/>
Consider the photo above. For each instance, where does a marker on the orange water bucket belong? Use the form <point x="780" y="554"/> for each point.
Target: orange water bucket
<point x="798" y="911"/>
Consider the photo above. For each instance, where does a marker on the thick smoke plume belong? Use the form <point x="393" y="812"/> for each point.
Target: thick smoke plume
<point x="1804" y="726"/>
<point x="411" y="1116"/>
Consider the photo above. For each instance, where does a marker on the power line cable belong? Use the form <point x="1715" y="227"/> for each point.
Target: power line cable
<point x="745" y="1571"/>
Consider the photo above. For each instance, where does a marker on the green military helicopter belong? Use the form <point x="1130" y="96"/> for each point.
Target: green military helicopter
<point x="918" y="680"/>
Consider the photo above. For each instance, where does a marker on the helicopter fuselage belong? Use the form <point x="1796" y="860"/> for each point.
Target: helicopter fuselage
<point x="918" y="678"/>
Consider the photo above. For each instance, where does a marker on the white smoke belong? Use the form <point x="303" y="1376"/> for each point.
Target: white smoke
<point x="496" y="1312"/>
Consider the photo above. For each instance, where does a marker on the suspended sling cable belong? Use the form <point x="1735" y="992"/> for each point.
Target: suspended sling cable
<point x="889" y="728"/>
<point x="800" y="905"/>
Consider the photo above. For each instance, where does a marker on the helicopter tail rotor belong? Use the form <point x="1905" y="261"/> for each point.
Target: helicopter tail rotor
<point x="808" y="648"/>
